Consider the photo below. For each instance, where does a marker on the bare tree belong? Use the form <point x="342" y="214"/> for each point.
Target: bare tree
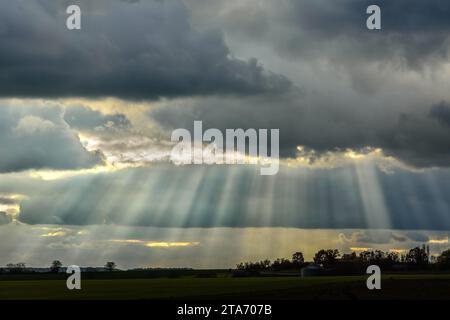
<point x="56" y="266"/>
<point x="110" y="265"/>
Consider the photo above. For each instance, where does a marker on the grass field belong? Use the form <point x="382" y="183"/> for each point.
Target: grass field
<point x="343" y="287"/>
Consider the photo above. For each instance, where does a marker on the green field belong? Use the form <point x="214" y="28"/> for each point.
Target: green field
<point x="343" y="287"/>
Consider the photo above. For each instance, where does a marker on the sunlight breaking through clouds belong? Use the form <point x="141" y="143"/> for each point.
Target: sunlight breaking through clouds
<point x="359" y="195"/>
<point x="54" y="234"/>
<point x="359" y="249"/>
<point x="156" y="244"/>
<point x="364" y="130"/>
<point x="438" y="241"/>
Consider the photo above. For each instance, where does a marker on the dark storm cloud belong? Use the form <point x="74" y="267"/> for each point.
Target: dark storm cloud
<point x="83" y="118"/>
<point x="36" y="137"/>
<point x="412" y="138"/>
<point x="418" y="141"/>
<point x="136" y="50"/>
<point x="359" y="102"/>
<point x="414" y="32"/>
<point x="333" y="35"/>
<point x="240" y="197"/>
<point x="345" y="17"/>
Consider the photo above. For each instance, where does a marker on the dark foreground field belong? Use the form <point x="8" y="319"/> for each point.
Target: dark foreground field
<point x="343" y="287"/>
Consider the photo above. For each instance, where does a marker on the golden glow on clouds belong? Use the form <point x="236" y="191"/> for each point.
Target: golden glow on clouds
<point x="128" y="241"/>
<point x="134" y="151"/>
<point x="438" y="241"/>
<point x="140" y="151"/>
<point x="61" y="174"/>
<point x="399" y="251"/>
<point x="155" y="143"/>
<point x="355" y="155"/>
<point x="331" y="159"/>
<point x="156" y="244"/>
<point x="171" y="244"/>
<point x="54" y="234"/>
<point x="11" y="207"/>
<point x="358" y="249"/>
<point x="145" y="143"/>
<point x="12" y="196"/>
<point x="133" y="110"/>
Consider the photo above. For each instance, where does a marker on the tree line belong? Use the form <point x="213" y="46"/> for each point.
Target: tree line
<point x="416" y="258"/>
<point x="55" y="267"/>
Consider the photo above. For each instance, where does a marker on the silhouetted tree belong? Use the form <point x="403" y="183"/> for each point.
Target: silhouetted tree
<point x="56" y="265"/>
<point x="240" y="266"/>
<point x="254" y="266"/>
<point x="417" y="257"/>
<point x="380" y="258"/>
<point x="16" y="267"/>
<point x="444" y="259"/>
<point x="350" y="257"/>
<point x="366" y="256"/>
<point x="281" y="264"/>
<point x="298" y="259"/>
<point x="265" y="264"/>
<point x="402" y="258"/>
<point x="110" y="266"/>
<point x="393" y="258"/>
<point x="377" y="257"/>
<point x="326" y="257"/>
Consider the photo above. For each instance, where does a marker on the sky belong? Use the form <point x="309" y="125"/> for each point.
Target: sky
<point x="87" y="115"/>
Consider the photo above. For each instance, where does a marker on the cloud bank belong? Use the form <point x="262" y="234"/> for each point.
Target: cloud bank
<point x="139" y="50"/>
